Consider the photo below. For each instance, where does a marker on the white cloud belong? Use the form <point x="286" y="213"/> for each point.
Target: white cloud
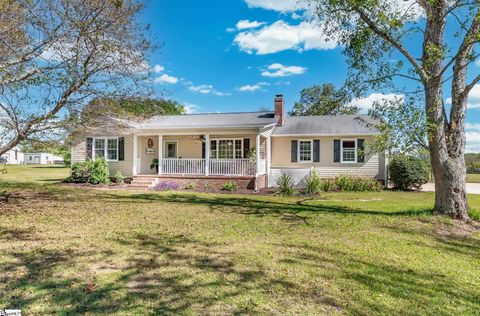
<point x="472" y="134"/>
<point x="207" y="89"/>
<point x="246" y="24"/>
<point x="158" y="68"/>
<point x="364" y="104"/>
<point x="473" y="98"/>
<point x="276" y="5"/>
<point x="281" y="36"/>
<point x="166" y="79"/>
<point x="279" y="70"/>
<point x="190" y="108"/>
<point x="253" y="88"/>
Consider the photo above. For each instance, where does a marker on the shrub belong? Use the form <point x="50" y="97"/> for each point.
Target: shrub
<point x="407" y="172"/>
<point x="165" y="186"/>
<point x="99" y="172"/>
<point x="312" y="184"/>
<point x="328" y="185"/>
<point x="90" y="171"/>
<point x="230" y="186"/>
<point x="191" y="186"/>
<point x="345" y="182"/>
<point x="286" y="186"/>
<point x="119" y="178"/>
<point x="80" y="172"/>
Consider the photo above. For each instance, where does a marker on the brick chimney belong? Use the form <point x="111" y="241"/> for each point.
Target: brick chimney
<point x="279" y="109"/>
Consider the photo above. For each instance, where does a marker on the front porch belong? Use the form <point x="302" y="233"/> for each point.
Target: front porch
<point x="201" y="155"/>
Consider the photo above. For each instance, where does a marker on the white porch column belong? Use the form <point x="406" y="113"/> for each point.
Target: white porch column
<point x="257" y="154"/>
<point x="207" y="154"/>
<point x="135" y="154"/>
<point x="160" y="154"/>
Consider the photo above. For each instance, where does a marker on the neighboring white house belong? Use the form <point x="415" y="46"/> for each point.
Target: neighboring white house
<point x="42" y="158"/>
<point x="13" y="157"/>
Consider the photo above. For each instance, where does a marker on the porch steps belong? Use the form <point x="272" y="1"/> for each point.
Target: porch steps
<point x="142" y="182"/>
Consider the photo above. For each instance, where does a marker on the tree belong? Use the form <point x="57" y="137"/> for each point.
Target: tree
<point x="56" y="55"/>
<point x="322" y="100"/>
<point x="375" y="35"/>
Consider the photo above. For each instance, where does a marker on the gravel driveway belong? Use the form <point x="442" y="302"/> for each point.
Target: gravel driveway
<point x="472" y="188"/>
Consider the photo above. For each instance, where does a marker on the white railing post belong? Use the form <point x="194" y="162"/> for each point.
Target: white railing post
<point x="160" y="154"/>
<point x="257" y="154"/>
<point x="207" y="154"/>
<point x="135" y="155"/>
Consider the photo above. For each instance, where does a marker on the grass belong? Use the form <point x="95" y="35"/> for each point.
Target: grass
<point x="74" y="251"/>
<point x="473" y="178"/>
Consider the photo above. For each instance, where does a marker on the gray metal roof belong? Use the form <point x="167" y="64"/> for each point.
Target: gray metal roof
<point x="213" y="120"/>
<point x="326" y="125"/>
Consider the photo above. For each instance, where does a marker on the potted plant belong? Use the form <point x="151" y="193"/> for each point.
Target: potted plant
<point x="154" y="164"/>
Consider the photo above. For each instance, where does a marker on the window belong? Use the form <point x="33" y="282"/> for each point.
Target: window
<point x="106" y="147"/>
<point x="305" y="151"/>
<point x="112" y="149"/>
<point x="226" y="148"/>
<point x="213" y="149"/>
<point x="349" y="151"/>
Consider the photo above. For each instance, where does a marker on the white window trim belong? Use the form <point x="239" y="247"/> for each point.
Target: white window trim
<point x="355" y="152"/>
<point x="298" y="150"/>
<point x="165" y="142"/>
<point x="105" y="150"/>
<point x="232" y="139"/>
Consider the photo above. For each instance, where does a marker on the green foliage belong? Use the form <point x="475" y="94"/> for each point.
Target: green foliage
<point x="286" y="186"/>
<point x="129" y="108"/>
<point x="99" y="172"/>
<point x="407" y="172"/>
<point x="328" y="185"/>
<point x="346" y="182"/>
<point x="90" y="171"/>
<point x="322" y="100"/>
<point x="191" y="186"/>
<point x="313" y="184"/>
<point x="230" y="186"/>
<point x="154" y="163"/>
<point x="119" y="178"/>
<point x="402" y="124"/>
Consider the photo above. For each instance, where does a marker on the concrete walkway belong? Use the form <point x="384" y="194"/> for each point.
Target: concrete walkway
<point x="472" y="188"/>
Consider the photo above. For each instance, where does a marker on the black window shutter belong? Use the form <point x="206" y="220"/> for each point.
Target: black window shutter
<point x="294" y="151"/>
<point x="121" y="148"/>
<point x="336" y="150"/>
<point x="246" y="147"/>
<point x="89" y="148"/>
<point x="203" y="150"/>
<point x="361" y="149"/>
<point x="316" y="150"/>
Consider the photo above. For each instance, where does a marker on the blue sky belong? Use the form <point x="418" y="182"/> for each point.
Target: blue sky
<point x="236" y="55"/>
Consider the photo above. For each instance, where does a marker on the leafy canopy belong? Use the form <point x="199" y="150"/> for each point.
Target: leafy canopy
<point x="322" y="100"/>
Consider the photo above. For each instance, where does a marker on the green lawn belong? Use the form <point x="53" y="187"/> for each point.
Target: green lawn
<point x="473" y="178"/>
<point x="67" y="250"/>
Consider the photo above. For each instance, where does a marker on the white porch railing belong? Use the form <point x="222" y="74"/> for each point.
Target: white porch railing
<point x="216" y="167"/>
<point x="190" y="166"/>
<point x="232" y="167"/>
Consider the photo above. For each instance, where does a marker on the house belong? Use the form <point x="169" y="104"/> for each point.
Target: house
<point x="13" y="156"/>
<point x="252" y="148"/>
<point x="40" y="158"/>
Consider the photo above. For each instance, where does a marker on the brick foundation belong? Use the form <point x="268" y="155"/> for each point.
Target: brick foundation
<point x="212" y="182"/>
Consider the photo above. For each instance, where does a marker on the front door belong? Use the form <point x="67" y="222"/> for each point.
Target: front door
<point x="170" y="149"/>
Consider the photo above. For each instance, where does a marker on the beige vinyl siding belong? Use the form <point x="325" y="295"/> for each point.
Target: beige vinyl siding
<point x="79" y="150"/>
<point x="125" y="167"/>
<point x="281" y="158"/>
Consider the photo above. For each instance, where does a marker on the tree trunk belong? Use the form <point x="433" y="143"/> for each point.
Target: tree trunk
<point x="447" y="159"/>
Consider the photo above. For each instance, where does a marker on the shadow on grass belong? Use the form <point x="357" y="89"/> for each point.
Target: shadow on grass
<point x="174" y="274"/>
<point x="259" y="206"/>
